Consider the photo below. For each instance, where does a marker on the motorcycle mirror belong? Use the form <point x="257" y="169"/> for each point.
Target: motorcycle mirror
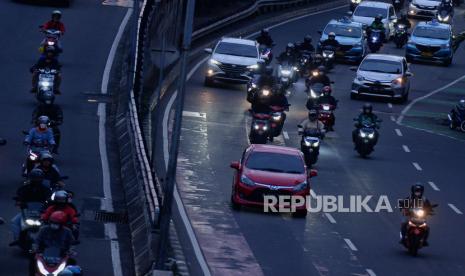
<point x="208" y="50"/>
<point x="235" y="165"/>
<point x="313" y="173"/>
<point x="353" y="68"/>
<point x="2" y="142"/>
<point x="299" y="126"/>
<point x="409" y="74"/>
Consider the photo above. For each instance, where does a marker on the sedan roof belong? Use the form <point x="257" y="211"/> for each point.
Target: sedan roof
<point x="384" y="57"/>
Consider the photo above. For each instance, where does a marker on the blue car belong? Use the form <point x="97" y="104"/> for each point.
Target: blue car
<point x="430" y="42"/>
<point x="350" y="36"/>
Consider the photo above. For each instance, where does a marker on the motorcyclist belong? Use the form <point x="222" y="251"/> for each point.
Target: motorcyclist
<point x="312" y="124"/>
<point x="415" y="200"/>
<point x="49" y="61"/>
<point x="261" y="105"/>
<point x="446" y="6"/>
<point x="53" y="112"/>
<point x="377" y="24"/>
<point x="307" y="45"/>
<point x="330" y="41"/>
<point x="33" y="191"/>
<point x="55" y="234"/>
<point x="55" y="23"/>
<point x="366" y="117"/>
<point x="41" y="135"/>
<point x="319" y="76"/>
<point x="265" y="38"/>
<point x="60" y="203"/>
<point x="289" y="55"/>
<point x="278" y="98"/>
<point x="51" y="171"/>
<point x="459" y="107"/>
<point x="403" y="20"/>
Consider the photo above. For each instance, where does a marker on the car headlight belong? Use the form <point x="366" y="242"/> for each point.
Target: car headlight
<point x="286" y="72"/>
<point x="313" y="94"/>
<point x="214" y="62"/>
<point x="253" y="67"/>
<point x="301" y="186"/>
<point x="360" y="78"/>
<point x="32" y="222"/>
<point x="397" y="82"/>
<point x="315" y="73"/>
<point x="247" y="181"/>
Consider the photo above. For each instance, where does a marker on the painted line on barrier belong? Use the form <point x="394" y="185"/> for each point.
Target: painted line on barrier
<point x="194" y="114"/>
<point x="405" y="147"/>
<point x="452" y="206"/>
<point x="106" y="203"/>
<point x="398" y="132"/>
<point x="350" y="245"/>
<point x="431" y="183"/>
<point x="417" y="166"/>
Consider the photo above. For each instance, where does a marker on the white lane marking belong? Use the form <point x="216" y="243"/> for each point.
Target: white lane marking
<point x="286" y="135"/>
<point x="330" y="218"/>
<point x="399" y="133"/>
<point x="350" y="245"/>
<point x="194" y="114"/>
<point x="409" y="106"/>
<point x="393" y="118"/>
<point x="106" y="203"/>
<point x="417" y="166"/>
<point x="433" y="186"/>
<point x="370" y="272"/>
<point x="389" y="105"/>
<point x="406" y="149"/>
<point x="313" y="194"/>
<point x="452" y="206"/>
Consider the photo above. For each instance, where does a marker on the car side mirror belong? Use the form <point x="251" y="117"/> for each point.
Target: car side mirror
<point x="235" y="165"/>
<point x="312" y="173"/>
<point x="409" y="74"/>
<point x="2" y="142"/>
<point x="353" y="68"/>
<point x="208" y="50"/>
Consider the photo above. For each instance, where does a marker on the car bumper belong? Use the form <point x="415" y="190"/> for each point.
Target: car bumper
<point x="385" y="92"/>
<point x="440" y="56"/>
<point x="414" y="11"/>
<point x="352" y="55"/>
<point x="215" y="73"/>
<point x="254" y="196"/>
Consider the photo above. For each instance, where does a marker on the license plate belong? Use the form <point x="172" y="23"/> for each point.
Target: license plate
<point x="311" y="150"/>
<point x="427" y="54"/>
<point x="366" y="140"/>
<point x="376" y="89"/>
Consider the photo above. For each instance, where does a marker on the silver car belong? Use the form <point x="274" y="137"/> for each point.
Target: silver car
<point x="382" y="76"/>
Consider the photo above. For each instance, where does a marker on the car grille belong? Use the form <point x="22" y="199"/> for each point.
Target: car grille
<point x="233" y="69"/>
<point x="429" y="49"/>
<point x="345" y="48"/>
<point x="258" y="194"/>
<point x="376" y="88"/>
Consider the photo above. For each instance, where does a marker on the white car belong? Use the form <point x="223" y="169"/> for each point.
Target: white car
<point x="232" y="60"/>
<point x="366" y="12"/>
<point x="423" y="8"/>
<point x="382" y="76"/>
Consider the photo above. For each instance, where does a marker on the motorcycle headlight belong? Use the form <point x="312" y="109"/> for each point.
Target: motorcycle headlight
<point x="33" y="156"/>
<point x="285" y="72"/>
<point x="276" y="116"/>
<point x="326" y="107"/>
<point x="254" y="85"/>
<point x="247" y="181"/>
<point x="253" y="67"/>
<point x="315" y="73"/>
<point x="265" y="128"/>
<point x="214" y="62"/>
<point x="316" y="144"/>
<point x="256" y="126"/>
<point x="371" y="135"/>
<point x="50" y="43"/>
<point x="45" y="83"/>
<point x="419" y="213"/>
<point x="313" y="94"/>
<point x="295" y="68"/>
<point x="363" y="134"/>
<point x="307" y="143"/>
<point x="266" y="92"/>
<point x="300" y="187"/>
<point x="356" y="1"/>
<point x="32" y="222"/>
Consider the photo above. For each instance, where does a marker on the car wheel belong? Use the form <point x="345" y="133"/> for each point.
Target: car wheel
<point x="208" y="82"/>
<point x="404" y="98"/>
<point x="235" y="205"/>
<point x="353" y="96"/>
<point x="300" y="213"/>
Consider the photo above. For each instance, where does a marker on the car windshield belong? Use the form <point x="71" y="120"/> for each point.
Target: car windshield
<point x="381" y="66"/>
<point x="235" y="49"/>
<point x="275" y="162"/>
<point x="433" y="33"/>
<point x="341" y="30"/>
<point x="370" y="11"/>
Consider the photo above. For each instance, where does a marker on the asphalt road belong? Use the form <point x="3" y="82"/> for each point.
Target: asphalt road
<point x="252" y="243"/>
<point x="91" y="28"/>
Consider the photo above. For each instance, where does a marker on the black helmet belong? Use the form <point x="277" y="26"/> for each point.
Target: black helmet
<point x="46" y="156"/>
<point x="268" y="70"/>
<point x="308" y="39"/>
<point x="321" y="69"/>
<point x="367" y="108"/>
<point x="264" y="32"/>
<point x="417" y="190"/>
<point x="461" y="105"/>
<point x="378" y="18"/>
<point x="36" y="175"/>
<point x="312" y="114"/>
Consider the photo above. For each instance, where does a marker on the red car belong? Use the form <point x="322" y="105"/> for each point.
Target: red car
<point x="270" y="170"/>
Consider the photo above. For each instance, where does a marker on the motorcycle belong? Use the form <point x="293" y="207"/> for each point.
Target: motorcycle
<point x="33" y="155"/>
<point x="266" y="54"/>
<point x="305" y="62"/>
<point x="457" y="119"/>
<point x="375" y="40"/>
<point x="46" y="83"/>
<point x="444" y="16"/>
<point x="286" y="74"/>
<point x="416" y="230"/>
<point x="30" y="224"/>
<point x="260" y="128"/>
<point x="326" y="115"/>
<point x="51" y="39"/>
<point x="310" y="145"/>
<point x="400" y="35"/>
<point x="354" y="4"/>
<point x="328" y="54"/>
<point x="366" y="138"/>
<point x="51" y="262"/>
<point x="278" y="117"/>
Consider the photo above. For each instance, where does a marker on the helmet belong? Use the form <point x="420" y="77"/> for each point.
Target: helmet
<point x="76" y="270"/>
<point x="36" y="175"/>
<point x="60" y="197"/>
<point x="322" y="69"/>
<point x="66" y="272"/>
<point x="367" y="108"/>
<point x="46" y="156"/>
<point x="289" y="46"/>
<point x="43" y="122"/>
<point x="56" y="13"/>
<point x="268" y="70"/>
<point x="327" y="90"/>
<point x="461" y="105"/>
<point x="265" y="32"/>
<point x="378" y="18"/>
<point x="58" y="217"/>
<point x="417" y="190"/>
<point x="308" y="39"/>
<point x="312" y="114"/>
<point x="331" y="35"/>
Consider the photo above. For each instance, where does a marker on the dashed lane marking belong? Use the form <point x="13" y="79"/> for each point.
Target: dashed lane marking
<point x="370" y="272"/>
<point x="330" y="218"/>
<point x="452" y="206"/>
<point x="393" y="118"/>
<point x="350" y="245"/>
<point x="417" y="166"/>
<point x="194" y="114"/>
<point x="399" y="133"/>
<point x="406" y="149"/>
<point x="286" y="135"/>
<point x="433" y="186"/>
